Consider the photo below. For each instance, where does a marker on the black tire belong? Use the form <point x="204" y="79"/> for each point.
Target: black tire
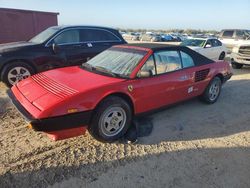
<point x="222" y="56"/>
<point x="96" y="128"/>
<point x="7" y="68"/>
<point x="236" y="65"/>
<point x="206" y="96"/>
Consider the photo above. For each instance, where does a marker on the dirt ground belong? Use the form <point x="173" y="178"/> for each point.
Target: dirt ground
<point x="192" y="145"/>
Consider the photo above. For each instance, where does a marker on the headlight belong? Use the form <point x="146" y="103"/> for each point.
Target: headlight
<point x="235" y="49"/>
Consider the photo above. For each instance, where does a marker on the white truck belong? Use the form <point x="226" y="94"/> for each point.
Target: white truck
<point x="240" y="55"/>
<point x="238" y="41"/>
<point x="234" y="37"/>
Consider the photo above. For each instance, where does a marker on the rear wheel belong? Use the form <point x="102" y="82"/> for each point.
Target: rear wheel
<point x="222" y="56"/>
<point x="111" y="119"/>
<point x="212" y="92"/>
<point x="236" y="65"/>
<point x="15" y="72"/>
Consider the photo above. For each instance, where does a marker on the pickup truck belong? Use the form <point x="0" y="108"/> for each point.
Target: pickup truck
<point x="233" y="37"/>
<point x="240" y="55"/>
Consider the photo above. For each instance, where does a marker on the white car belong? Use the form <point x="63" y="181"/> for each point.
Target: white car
<point x="212" y="48"/>
<point x="130" y="36"/>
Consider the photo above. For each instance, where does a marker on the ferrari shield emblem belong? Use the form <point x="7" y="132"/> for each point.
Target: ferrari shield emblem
<point x="130" y="88"/>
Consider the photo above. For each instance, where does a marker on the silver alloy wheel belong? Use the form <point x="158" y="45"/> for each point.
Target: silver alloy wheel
<point x="214" y="90"/>
<point x="112" y="121"/>
<point x="18" y="73"/>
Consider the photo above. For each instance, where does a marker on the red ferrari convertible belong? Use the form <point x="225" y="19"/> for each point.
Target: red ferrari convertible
<point x="124" y="81"/>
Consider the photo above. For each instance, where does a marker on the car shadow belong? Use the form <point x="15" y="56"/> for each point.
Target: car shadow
<point x="192" y="120"/>
<point x="197" y="167"/>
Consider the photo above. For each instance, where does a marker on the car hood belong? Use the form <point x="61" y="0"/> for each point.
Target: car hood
<point x="244" y="43"/>
<point x="14" y="45"/>
<point x="46" y="89"/>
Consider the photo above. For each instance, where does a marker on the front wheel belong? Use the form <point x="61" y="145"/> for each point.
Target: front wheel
<point x="212" y="92"/>
<point x="222" y="56"/>
<point x="111" y="119"/>
<point x="236" y="65"/>
<point x="15" y="72"/>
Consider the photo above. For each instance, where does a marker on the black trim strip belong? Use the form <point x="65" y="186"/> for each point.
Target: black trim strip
<point x="67" y="121"/>
<point x="19" y="107"/>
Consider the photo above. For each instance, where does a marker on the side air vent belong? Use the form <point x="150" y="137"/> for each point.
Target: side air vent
<point x="201" y="75"/>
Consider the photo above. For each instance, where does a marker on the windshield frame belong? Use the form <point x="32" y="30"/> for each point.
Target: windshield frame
<point x="101" y="71"/>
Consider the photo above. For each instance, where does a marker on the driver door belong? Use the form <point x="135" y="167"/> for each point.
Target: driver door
<point x="166" y="84"/>
<point x="70" y="46"/>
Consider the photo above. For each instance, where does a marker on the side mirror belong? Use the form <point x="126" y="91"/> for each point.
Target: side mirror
<point x="55" y="48"/>
<point x="144" y="74"/>
<point x="208" y="46"/>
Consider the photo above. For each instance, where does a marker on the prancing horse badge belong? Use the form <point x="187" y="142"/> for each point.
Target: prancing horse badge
<point x="130" y="88"/>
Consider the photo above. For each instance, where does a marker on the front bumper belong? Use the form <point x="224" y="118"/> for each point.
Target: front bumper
<point x="67" y="121"/>
<point x="241" y="59"/>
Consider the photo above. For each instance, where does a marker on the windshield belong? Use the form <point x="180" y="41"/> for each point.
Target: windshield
<point x="193" y="42"/>
<point x="44" y="35"/>
<point x="115" y="62"/>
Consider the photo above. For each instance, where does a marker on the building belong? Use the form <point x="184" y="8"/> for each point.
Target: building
<point x="21" y="25"/>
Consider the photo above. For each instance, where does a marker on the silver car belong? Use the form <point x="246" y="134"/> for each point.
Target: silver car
<point x="151" y="37"/>
<point x="131" y="36"/>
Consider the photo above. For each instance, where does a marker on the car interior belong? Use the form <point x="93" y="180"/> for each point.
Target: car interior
<point x="164" y="63"/>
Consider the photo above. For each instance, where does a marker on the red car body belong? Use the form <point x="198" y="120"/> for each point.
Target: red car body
<point x="67" y="97"/>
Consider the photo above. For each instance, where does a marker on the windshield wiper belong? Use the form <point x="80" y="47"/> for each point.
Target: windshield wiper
<point x="104" y="70"/>
<point x="86" y="66"/>
<point x="101" y="70"/>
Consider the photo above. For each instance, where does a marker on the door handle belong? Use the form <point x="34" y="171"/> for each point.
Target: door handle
<point x="89" y="45"/>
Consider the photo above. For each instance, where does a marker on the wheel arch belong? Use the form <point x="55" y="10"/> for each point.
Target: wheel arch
<point x="17" y="60"/>
<point x="124" y="96"/>
<point x="220" y="75"/>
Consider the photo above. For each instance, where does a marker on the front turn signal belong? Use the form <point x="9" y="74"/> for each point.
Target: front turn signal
<point x="29" y="126"/>
<point x="72" y="110"/>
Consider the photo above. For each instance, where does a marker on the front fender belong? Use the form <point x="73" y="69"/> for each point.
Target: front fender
<point x="88" y="100"/>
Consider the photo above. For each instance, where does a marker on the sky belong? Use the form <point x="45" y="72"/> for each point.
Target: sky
<point x="145" y="14"/>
